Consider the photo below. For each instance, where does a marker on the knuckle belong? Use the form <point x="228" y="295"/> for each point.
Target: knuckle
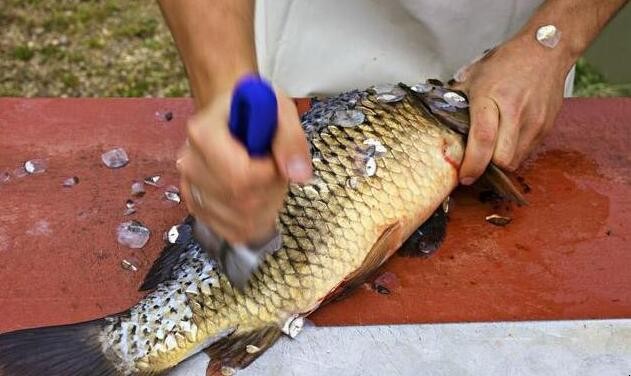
<point x="541" y="121"/>
<point x="485" y="134"/>
<point x="232" y="236"/>
<point x="252" y="229"/>
<point x="472" y="168"/>
<point x="504" y="153"/>
<point x="189" y="203"/>
<point x="193" y="131"/>
<point x="476" y="172"/>
<point x="209" y="219"/>
<point x="500" y="91"/>
<point x="246" y="205"/>
<point x="248" y="228"/>
<point x="237" y="185"/>
<point x="511" y="115"/>
<point x="233" y="233"/>
<point x="547" y="129"/>
<point x="512" y="165"/>
<point x="503" y="161"/>
<point x="186" y="195"/>
<point x="186" y="169"/>
<point x="182" y="166"/>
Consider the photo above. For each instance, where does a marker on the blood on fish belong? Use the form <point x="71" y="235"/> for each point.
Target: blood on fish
<point x="446" y="154"/>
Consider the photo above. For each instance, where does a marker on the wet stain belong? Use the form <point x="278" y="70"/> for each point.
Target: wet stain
<point x="525" y="188"/>
<point x="40" y="228"/>
<point x="5" y="240"/>
<point x="489" y="196"/>
<point x="538" y="267"/>
<point x="572" y="162"/>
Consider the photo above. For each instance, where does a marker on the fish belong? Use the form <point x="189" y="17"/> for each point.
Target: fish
<point x="385" y="160"/>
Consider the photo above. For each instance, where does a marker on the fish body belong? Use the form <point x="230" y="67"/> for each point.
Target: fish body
<point x="383" y="163"/>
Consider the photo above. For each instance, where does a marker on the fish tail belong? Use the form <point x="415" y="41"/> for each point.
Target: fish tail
<point x="55" y="351"/>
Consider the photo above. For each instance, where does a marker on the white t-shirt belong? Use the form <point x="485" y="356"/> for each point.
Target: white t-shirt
<point x="323" y="47"/>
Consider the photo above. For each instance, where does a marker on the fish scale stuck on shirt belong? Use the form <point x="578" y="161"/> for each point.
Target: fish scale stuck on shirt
<point x="384" y="161"/>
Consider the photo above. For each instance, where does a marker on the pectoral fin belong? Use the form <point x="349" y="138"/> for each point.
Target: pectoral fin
<point x="239" y="349"/>
<point x="387" y="243"/>
<point x="503" y="185"/>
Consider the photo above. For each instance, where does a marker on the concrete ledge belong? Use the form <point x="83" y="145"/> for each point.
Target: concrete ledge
<point x="557" y="348"/>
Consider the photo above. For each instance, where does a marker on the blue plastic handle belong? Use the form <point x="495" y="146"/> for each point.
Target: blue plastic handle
<point x="254" y="115"/>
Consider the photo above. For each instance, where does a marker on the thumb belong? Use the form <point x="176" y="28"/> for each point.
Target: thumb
<point x="290" y="149"/>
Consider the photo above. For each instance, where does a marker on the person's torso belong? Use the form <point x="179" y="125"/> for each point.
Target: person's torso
<point x="328" y="46"/>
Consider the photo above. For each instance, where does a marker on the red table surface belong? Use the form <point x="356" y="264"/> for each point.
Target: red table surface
<point x="565" y="256"/>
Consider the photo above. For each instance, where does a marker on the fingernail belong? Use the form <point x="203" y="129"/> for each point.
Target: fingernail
<point x="298" y="170"/>
<point x="466" y="181"/>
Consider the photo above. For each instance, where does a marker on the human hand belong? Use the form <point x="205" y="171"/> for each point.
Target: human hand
<point x="238" y="196"/>
<point x="515" y="93"/>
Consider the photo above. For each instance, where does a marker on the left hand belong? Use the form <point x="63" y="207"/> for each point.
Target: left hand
<point x="515" y="94"/>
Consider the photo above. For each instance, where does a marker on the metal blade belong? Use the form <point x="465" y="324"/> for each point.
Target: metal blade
<point x="238" y="262"/>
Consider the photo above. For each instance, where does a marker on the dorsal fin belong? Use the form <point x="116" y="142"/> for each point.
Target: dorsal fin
<point x="457" y="119"/>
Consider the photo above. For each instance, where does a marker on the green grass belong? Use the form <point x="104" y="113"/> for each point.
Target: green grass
<point x="23" y="53"/>
<point x="87" y="48"/>
<point x="70" y="80"/>
<point x="591" y="83"/>
<point x="141" y="28"/>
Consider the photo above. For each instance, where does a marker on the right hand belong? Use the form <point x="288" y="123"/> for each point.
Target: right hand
<point x="240" y="196"/>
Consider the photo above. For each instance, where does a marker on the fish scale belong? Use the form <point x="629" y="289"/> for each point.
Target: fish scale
<point x="375" y="183"/>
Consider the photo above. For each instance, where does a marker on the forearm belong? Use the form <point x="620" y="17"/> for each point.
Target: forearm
<point x="579" y="21"/>
<point x="215" y="39"/>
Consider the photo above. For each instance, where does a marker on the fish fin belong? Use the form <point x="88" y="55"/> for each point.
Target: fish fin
<point x="457" y="119"/>
<point x="55" y="351"/>
<point x="428" y="237"/>
<point x="162" y="267"/>
<point x="232" y="351"/>
<point x="387" y="243"/>
<point x="503" y="185"/>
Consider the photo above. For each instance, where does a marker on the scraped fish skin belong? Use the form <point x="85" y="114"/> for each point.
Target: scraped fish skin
<point x="327" y="227"/>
